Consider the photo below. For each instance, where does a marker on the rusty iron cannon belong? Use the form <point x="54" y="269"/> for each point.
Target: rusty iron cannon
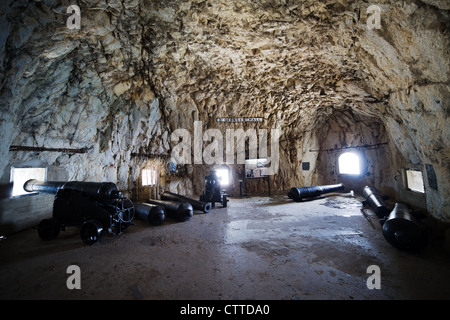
<point x="180" y="211"/>
<point x="151" y="213"/>
<point x="304" y="193"/>
<point x="197" y="205"/>
<point x="403" y="231"/>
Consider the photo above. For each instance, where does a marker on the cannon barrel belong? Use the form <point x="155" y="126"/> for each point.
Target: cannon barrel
<point x="151" y="213"/>
<point x="376" y="202"/>
<point x="402" y="230"/>
<point x="97" y="190"/>
<point x="51" y="187"/>
<point x="300" y="193"/>
<point x="180" y="211"/>
<point x="197" y="205"/>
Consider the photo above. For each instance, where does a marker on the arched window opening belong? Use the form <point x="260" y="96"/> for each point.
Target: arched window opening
<point x="349" y="163"/>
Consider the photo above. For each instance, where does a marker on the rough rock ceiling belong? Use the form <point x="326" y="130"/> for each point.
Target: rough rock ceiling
<point x="291" y="62"/>
<point x="286" y="62"/>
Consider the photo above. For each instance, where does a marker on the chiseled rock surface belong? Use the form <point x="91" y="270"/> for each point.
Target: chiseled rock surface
<point x="138" y="70"/>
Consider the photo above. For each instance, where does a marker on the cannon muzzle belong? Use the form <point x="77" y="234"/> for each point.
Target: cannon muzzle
<point x="50" y="187"/>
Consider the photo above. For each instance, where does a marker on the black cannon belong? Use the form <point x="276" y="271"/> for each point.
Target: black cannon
<point x="402" y="230"/>
<point x="151" y="213"/>
<point x="213" y="192"/>
<point x="197" y="205"/>
<point x="376" y="201"/>
<point x="92" y="206"/>
<point x="299" y="194"/>
<point x="180" y="211"/>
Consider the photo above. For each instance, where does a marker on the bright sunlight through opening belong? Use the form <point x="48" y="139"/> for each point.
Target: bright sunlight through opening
<point x="223" y="176"/>
<point x="349" y="163"/>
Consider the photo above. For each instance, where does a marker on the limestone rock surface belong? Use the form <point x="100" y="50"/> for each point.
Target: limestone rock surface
<point x="138" y="70"/>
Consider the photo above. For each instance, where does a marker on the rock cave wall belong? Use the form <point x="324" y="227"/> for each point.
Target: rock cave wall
<point x="138" y="70"/>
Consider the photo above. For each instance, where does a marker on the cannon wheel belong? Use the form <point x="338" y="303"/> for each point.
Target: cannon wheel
<point x="91" y="232"/>
<point x="49" y="229"/>
<point x="125" y="210"/>
<point x="124" y="214"/>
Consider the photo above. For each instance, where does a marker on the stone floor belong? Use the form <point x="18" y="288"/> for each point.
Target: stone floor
<point x="256" y="248"/>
